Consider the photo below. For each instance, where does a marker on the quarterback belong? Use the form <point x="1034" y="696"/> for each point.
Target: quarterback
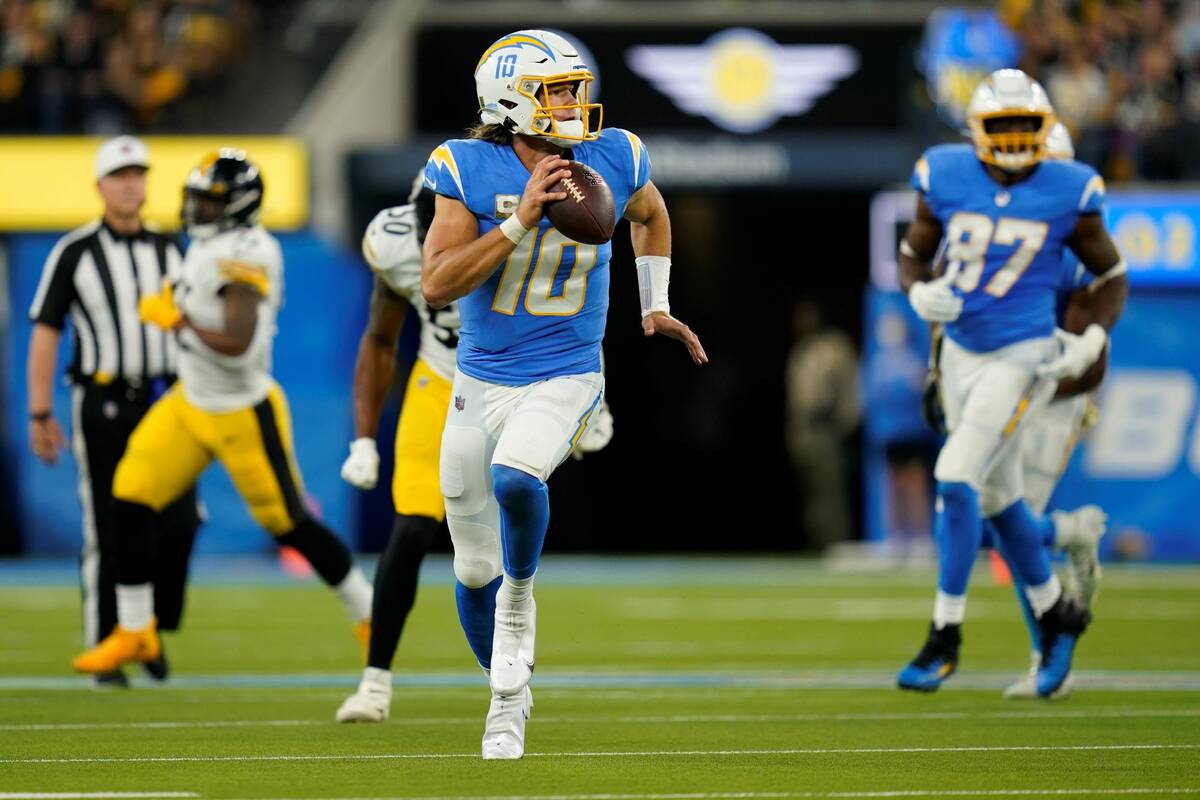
<point x="533" y="305"/>
<point x="392" y="248"/>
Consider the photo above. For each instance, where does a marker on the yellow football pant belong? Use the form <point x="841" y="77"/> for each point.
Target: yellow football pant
<point x="176" y="441"/>
<point x="415" y="486"/>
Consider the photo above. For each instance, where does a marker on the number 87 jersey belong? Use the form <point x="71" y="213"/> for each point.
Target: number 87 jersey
<point x="1004" y="244"/>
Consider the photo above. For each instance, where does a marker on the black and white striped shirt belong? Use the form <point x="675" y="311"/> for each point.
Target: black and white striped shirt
<point x="96" y="277"/>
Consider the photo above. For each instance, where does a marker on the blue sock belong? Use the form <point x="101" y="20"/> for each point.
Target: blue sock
<point x="958" y="531"/>
<point x="1022" y="536"/>
<point x="990" y="537"/>
<point x="524" y="515"/>
<point x="1049" y="534"/>
<point x="1031" y="622"/>
<point x="477" y="615"/>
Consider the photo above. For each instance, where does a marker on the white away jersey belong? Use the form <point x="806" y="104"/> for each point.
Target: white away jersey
<point x="391" y="248"/>
<point x="250" y="256"/>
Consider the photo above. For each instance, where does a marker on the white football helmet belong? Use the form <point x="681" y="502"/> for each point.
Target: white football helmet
<point x="1004" y="94"/>
<point x="1058" y="143"/>
<point x="514" y="79"/>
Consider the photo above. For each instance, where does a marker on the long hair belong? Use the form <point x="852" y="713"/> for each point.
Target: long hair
<point x="490" y="132"/>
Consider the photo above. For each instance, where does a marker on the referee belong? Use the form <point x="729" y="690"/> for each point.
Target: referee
<point x="95" y="276"/>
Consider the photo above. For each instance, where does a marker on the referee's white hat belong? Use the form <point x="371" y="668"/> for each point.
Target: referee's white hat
<point x="121" y="152"/>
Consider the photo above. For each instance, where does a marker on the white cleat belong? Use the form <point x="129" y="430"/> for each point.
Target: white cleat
<point x="504" y="731"/>
<point x="1078" y="533"/>
<point x="512" y="649"/>
<point x="1025" y="687"/>
<point x="372" y="701"/>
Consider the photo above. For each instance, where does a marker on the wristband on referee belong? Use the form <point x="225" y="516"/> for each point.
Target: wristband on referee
<point x="40" y="416"/>
<point x="513" y="230"/>
<point x="654" y="279"/>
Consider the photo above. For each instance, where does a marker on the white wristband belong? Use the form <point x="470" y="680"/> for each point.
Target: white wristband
<point x="654" y="278"/>
<point x="1096" y="337"/>
<point x="513" y="229"/>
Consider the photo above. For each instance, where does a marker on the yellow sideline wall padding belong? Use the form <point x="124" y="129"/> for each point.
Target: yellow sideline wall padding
<point x="48" y="183"/>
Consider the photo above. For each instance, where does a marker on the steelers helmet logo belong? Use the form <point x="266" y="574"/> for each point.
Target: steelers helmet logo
<point x="742" y="79"/>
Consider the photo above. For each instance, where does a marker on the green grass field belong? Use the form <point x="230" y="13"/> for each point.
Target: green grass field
<point x="661" y="678"/>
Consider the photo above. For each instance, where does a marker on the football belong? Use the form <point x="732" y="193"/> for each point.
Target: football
<point x="588" y="214"/>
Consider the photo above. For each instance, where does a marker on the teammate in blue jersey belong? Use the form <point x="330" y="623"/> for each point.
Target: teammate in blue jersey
<point x="1048" y="438"/>
<point x="533" y="305"/>
<point x="1007" y="216"/>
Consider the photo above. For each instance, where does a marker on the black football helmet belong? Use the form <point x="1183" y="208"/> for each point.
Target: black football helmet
<point x="228" y="179"/>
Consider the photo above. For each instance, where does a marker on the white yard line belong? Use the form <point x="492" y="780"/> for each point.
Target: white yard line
<point x="106" y="726"/>
<point x="593" y="680"/>
<point x="756" y="795"/>
<point x="614" y="754"/>
<point x="90" y="795"/>
<point x="1096" y="713"/>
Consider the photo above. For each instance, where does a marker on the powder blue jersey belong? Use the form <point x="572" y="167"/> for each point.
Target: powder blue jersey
<point x="1005" y="244"/>
<point x="542" y="312"/>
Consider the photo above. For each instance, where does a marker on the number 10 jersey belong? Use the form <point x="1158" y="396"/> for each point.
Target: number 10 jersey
<point x="541" y="313"/>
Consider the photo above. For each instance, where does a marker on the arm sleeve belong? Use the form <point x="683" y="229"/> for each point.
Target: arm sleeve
<point x="1093" y="196"/>
<point x="56" y="288"/>
<point x="639" y="159"/>
<point x="442" y="174"/>
<point x="920" y="175"/>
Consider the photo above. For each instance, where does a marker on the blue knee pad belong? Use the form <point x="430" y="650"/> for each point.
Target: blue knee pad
<point x="958" y="530"/>
<point x="524" y="516"/>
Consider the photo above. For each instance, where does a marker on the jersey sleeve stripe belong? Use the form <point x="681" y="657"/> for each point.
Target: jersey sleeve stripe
<point x="1094" y="186"/>
<point x="250" y="275"/>
<point x="922" y="169"/>
<point x="443" y="156"/>
<point x="369" y="253"/>
<point x="635" y="146"/>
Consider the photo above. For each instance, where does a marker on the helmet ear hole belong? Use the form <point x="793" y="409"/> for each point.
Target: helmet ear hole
<point x="509" y="104"/>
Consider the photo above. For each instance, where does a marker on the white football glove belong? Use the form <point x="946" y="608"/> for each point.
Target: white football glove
<point x="1079" y="352"/>
<point x="599" y="432"/>
<point x="935" y="301"/>
<point x="361" y="468"/>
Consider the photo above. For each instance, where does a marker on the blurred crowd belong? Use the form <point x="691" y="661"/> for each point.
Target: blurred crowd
<point x="98" y="66"/>
<point x="1124" y="76"/>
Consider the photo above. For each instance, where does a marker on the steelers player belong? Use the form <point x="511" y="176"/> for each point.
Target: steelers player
<point x="225" y="406"/>
<point x="392" y="248"/>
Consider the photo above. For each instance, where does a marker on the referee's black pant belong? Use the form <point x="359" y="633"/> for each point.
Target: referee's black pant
<point x="102" y="419"/>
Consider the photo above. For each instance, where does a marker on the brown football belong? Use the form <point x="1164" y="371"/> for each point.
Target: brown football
<point x="588" y="214"/>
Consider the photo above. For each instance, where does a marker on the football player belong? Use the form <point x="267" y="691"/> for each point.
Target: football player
<point x="392" y="248"/>
<point x="1007" y="213"/>
<point x="1047" y="443"/>
<point x="1048" y="440"/>
<point x="225" y="406"/>
<point x="533" y="305"/>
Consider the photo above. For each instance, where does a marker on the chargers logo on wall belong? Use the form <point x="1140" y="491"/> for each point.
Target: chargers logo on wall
<point x="741" y="79"/>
